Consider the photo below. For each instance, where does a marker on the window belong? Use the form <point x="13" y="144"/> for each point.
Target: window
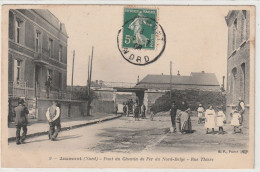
<point x="49" y="73"/>
<point x="243" y="28"/>
<point x="37" y="41"/>
<point x="233" y="84"/>
<point x="234" y="35"/>
<point x="50" y="47"/>
<point x="235" y="23"/>
<point x="17" y="70"/>
<point x="18" y="30"/>
<point x="60" y="53"/>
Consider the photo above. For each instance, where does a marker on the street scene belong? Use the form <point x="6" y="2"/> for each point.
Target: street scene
<point x="141" y="136"/>
<point x="133" y="82"/>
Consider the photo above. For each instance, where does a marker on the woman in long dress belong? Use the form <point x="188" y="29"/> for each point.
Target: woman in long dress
<point x="210" y="119"/>
<point x="185" y="120"/>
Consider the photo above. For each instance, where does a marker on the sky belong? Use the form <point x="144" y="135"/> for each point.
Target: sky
<point x="196" y="41"/>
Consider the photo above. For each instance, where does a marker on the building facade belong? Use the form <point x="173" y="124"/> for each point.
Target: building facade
<point x="238" y="58"/>
<point x="37" y="49"/>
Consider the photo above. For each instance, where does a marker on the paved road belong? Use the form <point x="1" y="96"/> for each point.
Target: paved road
<point x="128" y="136"/>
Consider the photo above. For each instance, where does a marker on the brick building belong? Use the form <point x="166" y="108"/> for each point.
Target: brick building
<point x="238" y="58"/>
<point x="37" y="48"/>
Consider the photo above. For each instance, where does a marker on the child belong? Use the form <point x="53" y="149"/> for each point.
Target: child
<point x="236" y="120"/>
<point x="220" y="120"/>
<point x="200" y="113"/>
<point x="210" y="117"/>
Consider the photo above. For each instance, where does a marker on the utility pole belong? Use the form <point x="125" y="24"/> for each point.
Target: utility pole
<point x="170" y="80"/>
<point x="89" y="81"/>
<point x="72" y="74"/>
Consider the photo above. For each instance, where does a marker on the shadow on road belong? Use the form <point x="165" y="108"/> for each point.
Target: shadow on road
<point x="68" y="137"/>
<point x="58" y="139"/>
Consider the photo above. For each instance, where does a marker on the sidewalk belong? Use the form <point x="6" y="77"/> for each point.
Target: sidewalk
<point x="42" y="127"/>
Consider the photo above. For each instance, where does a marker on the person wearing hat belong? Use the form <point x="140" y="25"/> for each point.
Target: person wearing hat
<point x="241" y="109"/>
<point x="48" y="86"/>
<point x="236" y="116"/>
<point x="53" y="116"/>
<point x="21" y="121"/>
<point x="200" y="111"/>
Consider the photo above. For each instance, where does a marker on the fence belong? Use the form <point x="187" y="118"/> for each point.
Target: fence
<point x="118" y="84"/>
<point x="21" y="89"/>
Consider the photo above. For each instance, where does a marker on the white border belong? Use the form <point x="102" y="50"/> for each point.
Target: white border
<point x="164" y="2"/>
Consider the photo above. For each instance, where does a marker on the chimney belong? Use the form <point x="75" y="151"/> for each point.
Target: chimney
<point x="178" y="73"/>
<point x="203" y="71"/>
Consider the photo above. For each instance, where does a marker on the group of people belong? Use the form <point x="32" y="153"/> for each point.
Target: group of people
<point x="180" y="118"/>
<point x="138" y="111"/>
<point x="217" y="118"/>
<point x="21" y="122"/>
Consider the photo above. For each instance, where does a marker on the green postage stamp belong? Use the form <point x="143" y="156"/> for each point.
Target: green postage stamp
<point x="141" y="40"/>
<point x="139" y="28"/>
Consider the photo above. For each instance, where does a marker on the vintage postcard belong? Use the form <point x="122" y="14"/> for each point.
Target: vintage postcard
<point x="128" y="86"/>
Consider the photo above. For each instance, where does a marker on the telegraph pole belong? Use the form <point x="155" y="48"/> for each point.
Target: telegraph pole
<point x="72" y="74"/>
<point x="89" y="81"/>
<point x="170" y="80"/>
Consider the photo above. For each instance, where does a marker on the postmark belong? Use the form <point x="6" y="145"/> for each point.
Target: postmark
<point x="142" y="39"/>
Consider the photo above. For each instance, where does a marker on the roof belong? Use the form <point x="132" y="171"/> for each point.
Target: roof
<point x="52" y="19"/>
<point x="196" y="78"/>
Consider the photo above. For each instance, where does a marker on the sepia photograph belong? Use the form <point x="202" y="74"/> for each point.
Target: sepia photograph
<point x="128" y="86"/>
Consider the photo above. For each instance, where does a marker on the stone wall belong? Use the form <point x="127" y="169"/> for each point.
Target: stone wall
<point x="69" y="108"/>
<point x="102" y="106"/>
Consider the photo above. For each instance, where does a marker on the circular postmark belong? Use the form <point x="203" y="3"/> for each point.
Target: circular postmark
<point x="141" y="40"/>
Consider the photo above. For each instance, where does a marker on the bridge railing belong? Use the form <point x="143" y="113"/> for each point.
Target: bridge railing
<point x="118" y="84"/>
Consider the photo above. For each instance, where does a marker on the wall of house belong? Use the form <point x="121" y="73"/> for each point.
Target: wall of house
<point x="25" y="50"/>
<point x="238" y="54"/>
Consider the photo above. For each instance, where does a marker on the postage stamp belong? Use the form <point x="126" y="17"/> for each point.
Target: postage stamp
<point x="141" y="40"/>
<point x="139" y="29"/>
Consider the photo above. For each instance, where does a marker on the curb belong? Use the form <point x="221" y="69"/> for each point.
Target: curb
<point x="95" y="121"/>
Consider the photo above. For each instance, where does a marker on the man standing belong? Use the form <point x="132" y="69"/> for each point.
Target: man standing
<point x="116" y="109"/>
<point x="48" y="86"/>
<point x="53" y="116"/>
<point x="21" y="121"/>
<point x="173" y="112"/>
<point x="125" y="109"/>
<point x="241" y="109"/>
<point x="143" y="109"/>
<point x="136" y="111"/>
